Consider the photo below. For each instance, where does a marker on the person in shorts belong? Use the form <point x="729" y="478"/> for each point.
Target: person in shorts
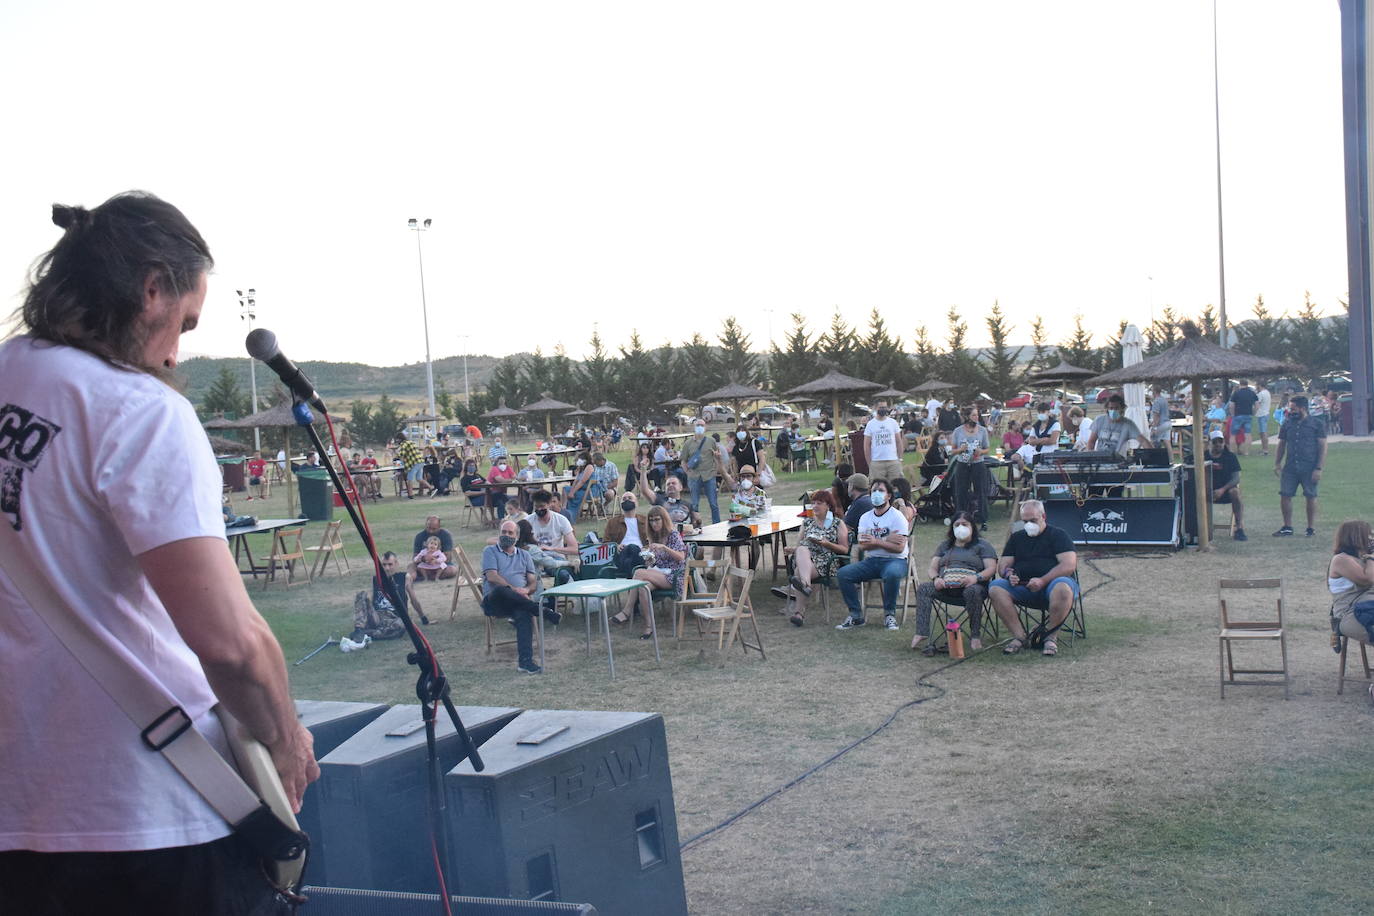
<point x="1036" y="570"/>
<point x="1298" y="462"/>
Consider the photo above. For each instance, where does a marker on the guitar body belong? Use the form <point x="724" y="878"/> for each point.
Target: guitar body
<point x="254" y="763"/>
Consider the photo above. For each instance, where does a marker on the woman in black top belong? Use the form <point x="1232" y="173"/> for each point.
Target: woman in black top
<point x="949" y="418"/>
<point x="746" y="449"/>
<point x="469" y="481"/>
<point x="839" y="487"/>
<point x="936" y="460"/>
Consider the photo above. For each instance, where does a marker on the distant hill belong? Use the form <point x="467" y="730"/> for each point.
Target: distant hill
<point x="340" y="383"/>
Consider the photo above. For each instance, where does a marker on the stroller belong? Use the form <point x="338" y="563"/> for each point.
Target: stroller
<point x="938" y="502"/>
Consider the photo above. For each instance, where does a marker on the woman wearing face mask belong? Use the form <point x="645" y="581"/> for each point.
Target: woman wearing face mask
<point x="669" y="554"/>
<point x="471" y="484"/>
<point x="1044" y="432"/>
<point x="501" y="471"/>
<point x="747" y="491"/>
<point x="901" y="499"/>
<point x="824" y="538"/>
<point x="577" y="490"/>
<point x="745" y="449"/>
<point x="969" y="475"/>
<point x="961" y="569"/>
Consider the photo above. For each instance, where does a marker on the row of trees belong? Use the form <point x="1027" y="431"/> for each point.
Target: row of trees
<point x="638" y="380"/>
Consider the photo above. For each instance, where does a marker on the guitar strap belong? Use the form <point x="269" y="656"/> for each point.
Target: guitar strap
<point x="163" y="725"/>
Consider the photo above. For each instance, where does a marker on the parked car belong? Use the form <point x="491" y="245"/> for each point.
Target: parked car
<point x="1021" y="400"/>
<point x="774" y="414"/>
<point x="717" y="413"/>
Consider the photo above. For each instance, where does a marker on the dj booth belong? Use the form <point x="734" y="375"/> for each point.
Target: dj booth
<point x="1104" y="499"/>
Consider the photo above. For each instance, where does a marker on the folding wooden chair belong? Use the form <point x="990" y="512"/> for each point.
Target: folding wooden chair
<point x="331" y="545"/>
<point x="736" y="582"/>
<point x="472" y="515"/>
<point x="1364" y="661"/>
<point x="1248" y="628"/>
<point x="286" y="550"/>
<point x="469" y="579"/>
<point x="700" y="594"/>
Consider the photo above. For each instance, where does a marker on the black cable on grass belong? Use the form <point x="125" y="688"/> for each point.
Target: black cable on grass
<point x="920" y="682"/>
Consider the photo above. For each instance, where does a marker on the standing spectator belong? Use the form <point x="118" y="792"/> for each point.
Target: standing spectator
<point x="1160" y="423"/>
<point x="1298" y="461"/>
<point x="1225" y="468"/>
<point x="412" y="464"/>
<point x="933" y="405"/>
<point x="1263" y="407"/>
<point x="1243" y="403"/>
<point x="704" y="459"/>
<point x="509" y="580"/>
<point x="746" y="449"/>
<point x="1333" y="411"/>
<point x="969" y="475"/>
<point x="949" y="418"/>
<point x="881" y="449"/>
<point x="883" y="542"/>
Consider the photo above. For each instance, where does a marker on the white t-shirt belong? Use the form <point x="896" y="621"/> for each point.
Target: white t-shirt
<point x="114" y="464"/>
<point x="631" y="533"/>
<point x="550" y="533"/>
<point x="884" y="436"/>
<point x="1265" y="402"/>
<point x="933" y="409"/>
<point x="881" y="526"/>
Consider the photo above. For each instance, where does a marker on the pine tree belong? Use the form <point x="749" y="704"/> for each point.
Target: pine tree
<point x="698" y="361"/>
<point x="535" y="378"/>
<point x="839" y="344"/>
<point x="504" y="383"/>
<point x="597" y="380"/>
<point x="927" y="361"/>
<point x="1307" y="341"/>
<point x="1000" y="375"/>
<point x="795" y="365"/>
<point x="883" y="359"/>
<point x="1078" y="350"/>
<point x="562" y="376"/>
<point x="443" y="400"/>
<point x="1262" y="335"/>
<point x="1109" y="357"/>
<point x="225" y="396"/>
<point x="1207" y="323"/>
<point x="1163" y="332"/>
<point x="1042" y="356"/>
<point x="637" y="382"/>
<point x="960" y="369"/>
<point x="735" y="363"/>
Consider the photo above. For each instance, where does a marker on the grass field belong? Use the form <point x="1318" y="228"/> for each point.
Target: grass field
<point x="1109" y="779"/>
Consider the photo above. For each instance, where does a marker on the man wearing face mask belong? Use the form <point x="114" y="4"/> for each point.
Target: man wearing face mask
<point x="1225" y="468"/>
<point x="497" y="450"/>
<point x="508" y="580"/>
<point x="1298" y="461"/>
<point x="881" y="448"/>
<point x="531" y="470"/>
<point x="627" y="528"/>
<point x="883" y="543"/>
<point x="1035" y="571"/>
<point x="1114" y="431"/>
<point x="704" y="460"/>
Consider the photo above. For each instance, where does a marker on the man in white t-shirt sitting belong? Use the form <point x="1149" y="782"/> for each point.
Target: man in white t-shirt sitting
<point x="91" y="818"/>
<point x="554" y="534"/>
<point x="882" y="445"/>
<point x="883" y="540"/>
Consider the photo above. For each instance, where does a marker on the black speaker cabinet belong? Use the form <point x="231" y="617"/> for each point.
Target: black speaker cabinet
<point x="338" y="901"/>
<point x="373" y="798"/>
<point x="571" y="806"/>
<point x="330" y="723"/>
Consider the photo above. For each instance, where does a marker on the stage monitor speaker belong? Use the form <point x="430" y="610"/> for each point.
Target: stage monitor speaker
<point x="1190" y="514"/>
<point x="338" y="901"/>
<point x="572" y="805"/>
<point x="330" y="723"/>
<point x="373" y="797"/>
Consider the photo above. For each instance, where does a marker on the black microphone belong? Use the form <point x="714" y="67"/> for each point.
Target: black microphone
<point x="262" y="346"/>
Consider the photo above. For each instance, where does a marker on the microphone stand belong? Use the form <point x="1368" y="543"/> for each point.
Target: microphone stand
<point x="431" y="686"/>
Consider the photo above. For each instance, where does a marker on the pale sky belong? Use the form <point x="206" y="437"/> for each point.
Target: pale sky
<point x="663" y="166"/>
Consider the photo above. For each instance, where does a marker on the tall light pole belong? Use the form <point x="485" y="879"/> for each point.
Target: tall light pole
<point x="248" y="311"/>
<point x="1221" y="247"/>
<point x="418" y="227"/>
<point x="467" y="390"/>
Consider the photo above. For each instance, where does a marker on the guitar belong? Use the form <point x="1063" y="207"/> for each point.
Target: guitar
<point x="273" y="830"/>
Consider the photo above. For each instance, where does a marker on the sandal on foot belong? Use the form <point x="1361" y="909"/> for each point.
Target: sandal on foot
<point x="1016" y="645"/>
<point x="648" y="635"/>
<point x="800" y="586"/>
<point x="1051" y="648"/>
<point x="620" y="619"/>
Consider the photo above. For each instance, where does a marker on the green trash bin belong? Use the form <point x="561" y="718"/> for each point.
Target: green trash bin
<point x="317" y="494"/>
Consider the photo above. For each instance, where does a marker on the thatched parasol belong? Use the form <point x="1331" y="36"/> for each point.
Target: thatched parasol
<point x="1062" y="373"/>
<point x="834" y="383"/>
<point x="223" y="446"/>
<point x="423" y="418"/>
<point x="219" y="423"/>
<point x="1195" y="358"/>
<point x="889" y="393"/>
<point x="547" y="405"/>
<point x="497" y="413"/>
<point x="736" y="394"/>
<point x="933" y="386"/>
<point x="278" y="415"/>
<point x="680" y="401"/>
